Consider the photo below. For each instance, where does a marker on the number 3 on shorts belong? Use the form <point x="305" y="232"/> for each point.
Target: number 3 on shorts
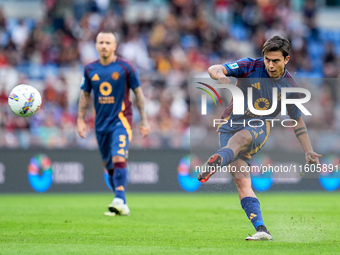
<point x="122" y="144"/>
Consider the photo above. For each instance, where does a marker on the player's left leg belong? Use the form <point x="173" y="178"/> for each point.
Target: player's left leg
<point x="118" y="205"/>
<point x="119" y="151"/>
<point x="249" y="201"/>
<point x="105" y="143"/>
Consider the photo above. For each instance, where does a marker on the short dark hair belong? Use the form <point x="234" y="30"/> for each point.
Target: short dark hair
<point x="277" y="43"/>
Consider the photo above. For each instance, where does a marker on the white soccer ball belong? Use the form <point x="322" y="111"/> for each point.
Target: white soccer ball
<point x="24" y="100"/>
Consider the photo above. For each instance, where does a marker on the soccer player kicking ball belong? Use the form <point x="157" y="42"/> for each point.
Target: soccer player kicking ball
<point x="111" y="78"/>
<point x="239" y="142"/>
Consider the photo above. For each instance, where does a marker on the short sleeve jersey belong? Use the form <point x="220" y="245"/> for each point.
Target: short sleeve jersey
<point x="110" y="85"/>
<point x="252" y="73"/>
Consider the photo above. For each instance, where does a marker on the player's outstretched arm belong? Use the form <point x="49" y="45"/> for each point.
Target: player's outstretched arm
<point x="219" y="72"/>
<point x="144" y="127"/>
<point x="301" y="133"/>
<point x="83" y="104"/>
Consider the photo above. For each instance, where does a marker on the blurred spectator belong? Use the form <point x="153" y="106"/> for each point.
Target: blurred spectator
<point x="175" y="41"/>
<point x="309" y="15"/>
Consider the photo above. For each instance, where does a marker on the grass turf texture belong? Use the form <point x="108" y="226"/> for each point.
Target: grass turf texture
<point x="301" y="223"/>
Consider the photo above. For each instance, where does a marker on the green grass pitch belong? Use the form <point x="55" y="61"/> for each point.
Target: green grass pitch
<point x="210" y="223"/>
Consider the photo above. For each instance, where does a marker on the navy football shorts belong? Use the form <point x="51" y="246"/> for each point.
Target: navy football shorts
<point x="114" y="143"/>
<point x="260" y="136"/>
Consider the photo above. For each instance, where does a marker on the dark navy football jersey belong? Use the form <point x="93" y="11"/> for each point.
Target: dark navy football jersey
<point x="111" y="85"/>
<point x="252" y="73"/>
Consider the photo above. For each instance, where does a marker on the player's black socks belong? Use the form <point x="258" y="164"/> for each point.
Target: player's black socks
<point x="261" y="228"/>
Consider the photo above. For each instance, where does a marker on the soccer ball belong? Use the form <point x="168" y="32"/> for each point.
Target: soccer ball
<point x="24" y="100"/>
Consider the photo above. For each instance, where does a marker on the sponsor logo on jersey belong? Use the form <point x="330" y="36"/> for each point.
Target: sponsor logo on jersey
<point x="105" y="88"/>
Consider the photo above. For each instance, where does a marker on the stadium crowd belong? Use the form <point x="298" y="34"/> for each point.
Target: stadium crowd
<point x="168" y="43"/>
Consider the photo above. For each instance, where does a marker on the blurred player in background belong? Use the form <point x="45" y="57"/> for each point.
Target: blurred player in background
<point x="239" y="142"/>
<point x="111" y="78"/>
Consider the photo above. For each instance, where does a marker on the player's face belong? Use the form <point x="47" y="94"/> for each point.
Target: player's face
<point x="106" y="44"/>
<point x="275" y="63"/>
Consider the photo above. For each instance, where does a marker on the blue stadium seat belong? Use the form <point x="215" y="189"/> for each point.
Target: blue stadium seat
<point x="30" y="23"/>
<point x="188" y="41"/>
<point x="11" y="24"/>
<point x="238" y="32"/>
<point x="315" y="49"/>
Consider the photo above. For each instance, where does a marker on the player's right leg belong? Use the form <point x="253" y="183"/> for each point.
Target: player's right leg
<point x="231" y="146"/>
<point x="118" y="205"/>
<point x="104" y="143"/>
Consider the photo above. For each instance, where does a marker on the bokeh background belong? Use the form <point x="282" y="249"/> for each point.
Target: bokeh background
<point x="47" y="43"/>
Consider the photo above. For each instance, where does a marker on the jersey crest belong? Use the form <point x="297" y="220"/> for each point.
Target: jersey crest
<point x="115" y="76"/>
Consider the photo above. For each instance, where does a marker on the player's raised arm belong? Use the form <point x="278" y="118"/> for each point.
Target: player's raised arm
<point x="219" y="72"/>
<point x="84" y="102"/>
<point x="301" y="133"/>
<point x="144" y="127"/>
